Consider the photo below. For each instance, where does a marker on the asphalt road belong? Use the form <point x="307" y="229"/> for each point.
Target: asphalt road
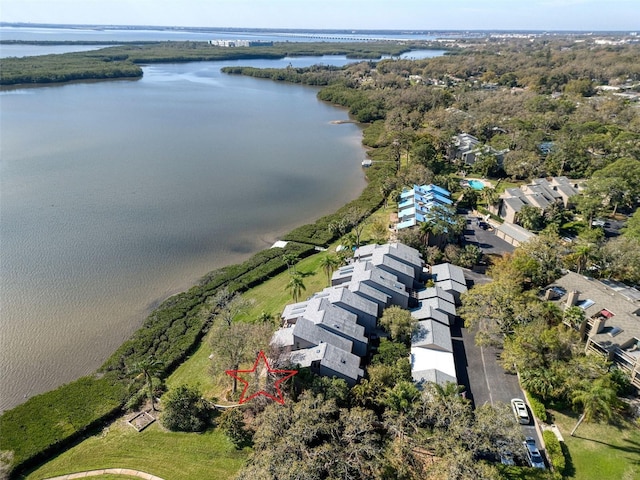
<point x="478" y="368"/>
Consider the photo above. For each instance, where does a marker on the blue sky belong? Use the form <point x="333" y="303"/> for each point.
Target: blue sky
<point x="338" y="14"/>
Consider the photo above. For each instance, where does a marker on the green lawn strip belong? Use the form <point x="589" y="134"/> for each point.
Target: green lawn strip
<point x="170" y="455"/>
<point x="599" y="451"/>
<point x="272" y="296"/>
<point x="195" y="371"/>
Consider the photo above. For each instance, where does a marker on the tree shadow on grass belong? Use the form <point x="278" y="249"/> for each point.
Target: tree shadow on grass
<point x="569" y="467"/>
<point x="634" y="447"/>
<point x="306" y="274"/>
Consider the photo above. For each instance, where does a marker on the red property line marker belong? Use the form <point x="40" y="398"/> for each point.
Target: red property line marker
<point x="283" y="374"/>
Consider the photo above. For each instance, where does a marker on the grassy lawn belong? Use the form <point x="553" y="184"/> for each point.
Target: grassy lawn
<point x="195" y="371"/>
<point x="170" y="455"/>
<point x="599" y="451"/>
<point x="272" y="296"/>
<point x="112" y="477"/>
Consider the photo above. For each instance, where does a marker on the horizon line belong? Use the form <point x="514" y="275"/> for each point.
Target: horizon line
<point x="302" y="29"/>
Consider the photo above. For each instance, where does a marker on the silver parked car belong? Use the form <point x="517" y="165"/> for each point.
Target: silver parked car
<point x="533" y="454"/>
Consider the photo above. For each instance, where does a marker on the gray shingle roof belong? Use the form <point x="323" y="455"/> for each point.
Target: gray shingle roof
<point x="428" y="312"/>
<point x="436" y="292"/>
<point x="329" y="357"/>
<point x="622" y="305"/>
<point x="514" y="203"/>
<point x="434" y="376"/>
<point x="368" y="292"/>
<point x="516" y="232"/>
<point x="283" y="337"/>
<point x="364" y="273"/>
<point x="439" y="304"/>
<point x="398" y="251"/>
<point x="335" y="319"/>
<point x="309" y="332"/>
<point x="447" y="271"/>
<point x="433" y="335"/>
<point x="347" y="297"/>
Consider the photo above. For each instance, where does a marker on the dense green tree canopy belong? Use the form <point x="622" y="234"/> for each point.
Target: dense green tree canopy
<point x="185" y="410"/>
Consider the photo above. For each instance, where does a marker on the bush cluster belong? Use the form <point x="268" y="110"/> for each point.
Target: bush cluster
<point x="65" y="68"/>
<point x="554" y="451"/>
<point x="538" y="408"/>
<point x="185" y="410"/>
<point x="46" y="423"/>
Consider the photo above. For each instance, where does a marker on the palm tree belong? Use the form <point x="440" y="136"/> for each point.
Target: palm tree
<point x="541" y="381"/>
<point x="265" y="317"/>
<point x="426" y="230"/>
<point x="551" y="313"/>
<point x="529" y="217"/>
<point x="290" y="259"/>
<point x="489" y="195"/>
<point x="296" y="285"/>
<point x="573" y="316"/>
<point x="597" y="398"/>
<point x="147" y="369"/>
<point x="349" y="241"/>
<point x="329" y="264"/>
<point x="582" y="254"/>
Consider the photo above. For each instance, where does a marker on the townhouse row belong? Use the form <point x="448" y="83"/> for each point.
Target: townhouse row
<point x="332" y="331"/>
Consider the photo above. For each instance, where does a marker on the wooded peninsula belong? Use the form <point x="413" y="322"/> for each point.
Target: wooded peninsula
<point x="124" y="61"/>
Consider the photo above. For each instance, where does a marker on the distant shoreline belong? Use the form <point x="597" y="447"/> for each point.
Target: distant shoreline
<point x="469" y="33"/>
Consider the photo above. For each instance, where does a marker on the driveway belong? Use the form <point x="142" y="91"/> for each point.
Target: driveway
<point x="478" y="368"/>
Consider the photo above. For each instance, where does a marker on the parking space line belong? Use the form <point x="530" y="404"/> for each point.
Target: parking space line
<point x="486" y="379"/>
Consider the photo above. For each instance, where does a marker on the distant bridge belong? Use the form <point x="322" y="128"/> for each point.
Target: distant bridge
<point x="333" y="37"/>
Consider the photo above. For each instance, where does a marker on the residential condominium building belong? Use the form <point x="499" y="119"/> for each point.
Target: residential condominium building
<point x="416" y="204"/>
<point x="467" y="149"/>
<point x="432" y="354"/>
<point x="612" y="313"/>
<point x="330" y="332"/>
<point x="396" y="258"/>
<point x="357" y="275"/>
<point x="431" y="346"/>
<point x="539" y="193"/>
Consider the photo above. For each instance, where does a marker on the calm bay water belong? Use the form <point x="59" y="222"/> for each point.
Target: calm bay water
<point x="115" y="195"/>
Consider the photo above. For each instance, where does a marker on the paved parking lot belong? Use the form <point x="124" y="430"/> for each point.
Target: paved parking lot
<point x="486" y="239"/>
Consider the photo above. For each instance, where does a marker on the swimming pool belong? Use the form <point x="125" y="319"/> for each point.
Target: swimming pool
<point x="476" y="184"/>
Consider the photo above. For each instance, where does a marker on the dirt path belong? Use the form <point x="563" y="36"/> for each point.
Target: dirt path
<point x="106" y="471"/>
